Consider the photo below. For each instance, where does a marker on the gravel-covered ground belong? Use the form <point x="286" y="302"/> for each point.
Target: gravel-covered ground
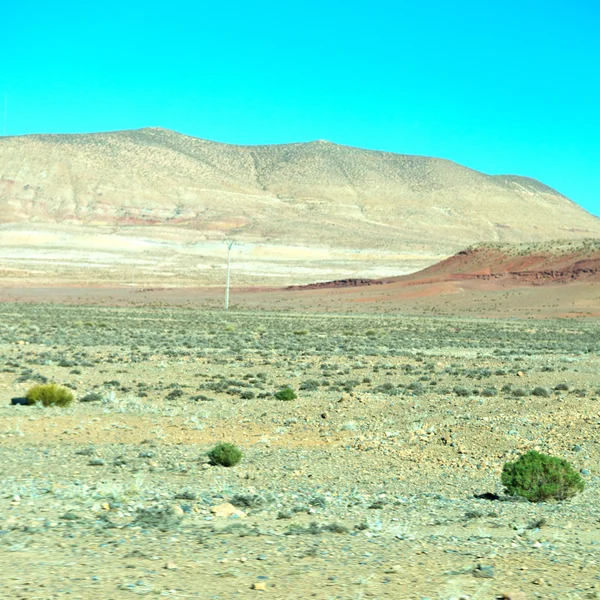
<point x="381" y="480"/>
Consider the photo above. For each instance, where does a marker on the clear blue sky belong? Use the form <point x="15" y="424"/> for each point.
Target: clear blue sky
<point x="502" y="87"/>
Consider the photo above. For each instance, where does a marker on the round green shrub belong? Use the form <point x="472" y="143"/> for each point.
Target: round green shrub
<point x="286" y="393"/>
<point x="539" y="477"/>
<point x="225" y="455"/>
<point x="49" y="394"/>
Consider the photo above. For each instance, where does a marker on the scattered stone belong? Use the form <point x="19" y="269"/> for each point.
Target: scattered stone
<point x="70" y="516"/>
<point x="512" y="595"/>
<point x="227" y="510"/>
<point x="487" y="496"/>
<point x="171" y="566"/>
<point x="483" y="571"/>
<point x="259" y="585"/>
<point x="394" y="570"/>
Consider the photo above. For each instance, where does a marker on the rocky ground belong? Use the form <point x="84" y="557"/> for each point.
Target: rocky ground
<point x="381" y="480"/>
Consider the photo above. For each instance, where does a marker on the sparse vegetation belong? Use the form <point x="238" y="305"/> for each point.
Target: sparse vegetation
<point x="541" y="391"/>
<point x="319" y="477"/>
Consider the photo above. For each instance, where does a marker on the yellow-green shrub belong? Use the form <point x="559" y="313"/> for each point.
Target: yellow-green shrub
<point x="49" y="394"/>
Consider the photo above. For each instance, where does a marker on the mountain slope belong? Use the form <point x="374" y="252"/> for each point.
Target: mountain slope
<point x="308" y="194"/>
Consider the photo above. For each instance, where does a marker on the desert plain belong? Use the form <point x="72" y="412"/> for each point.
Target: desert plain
<point x="380" y="480"/>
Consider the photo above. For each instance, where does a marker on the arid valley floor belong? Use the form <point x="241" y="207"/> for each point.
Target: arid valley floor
<point x="381" y="480"/>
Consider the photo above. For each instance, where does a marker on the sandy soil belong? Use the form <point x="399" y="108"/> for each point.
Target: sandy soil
<point x="477" y="298"/>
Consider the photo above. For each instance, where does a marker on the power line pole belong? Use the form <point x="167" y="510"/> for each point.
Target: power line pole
<point x="230" y="244"/>
<point x="5" y="111"/>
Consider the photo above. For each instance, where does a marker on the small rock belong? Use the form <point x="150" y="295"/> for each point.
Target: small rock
<point x="512" y="595"/>
<point x="171" y="566"/>
<point x="584" y="471"/>
<point x="70" y="516"/>
<point x="395" y="569"/>
<point x="323" y="415"/>
<point x="259" y="585"/>
<point x="483" y="572"/>
<point x="227" y="510"/>
<point x="96" y="462"/>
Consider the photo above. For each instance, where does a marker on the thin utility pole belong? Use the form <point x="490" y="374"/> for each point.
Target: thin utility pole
<point x="5" y="113"/>
<point x="230" y="244"/>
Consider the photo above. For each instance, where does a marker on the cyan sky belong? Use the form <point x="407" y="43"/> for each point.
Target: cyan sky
<point x="502" y="87"/>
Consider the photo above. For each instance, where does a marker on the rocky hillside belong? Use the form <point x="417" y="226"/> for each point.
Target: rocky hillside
<point x="542" y="262"/>
<point x="316" y="193"/>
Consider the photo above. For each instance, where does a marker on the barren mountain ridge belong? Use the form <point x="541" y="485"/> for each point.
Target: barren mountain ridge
<point x="158" y="184"/>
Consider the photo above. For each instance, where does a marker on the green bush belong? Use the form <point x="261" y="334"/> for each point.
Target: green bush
<point x="91" y="397"/>
<point x="310" y="385"/>
<point x="286" y="393"/>
<point x="225" y="455"/>
<point x="461" y="390"/>
<point x="539" y="477"/>
<point x="49" y="394"/>
<point x="489" y="392"/>
<point x="542" y="392"/>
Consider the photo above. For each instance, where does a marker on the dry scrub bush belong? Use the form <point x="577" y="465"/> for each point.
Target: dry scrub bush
<point x="49" y="394"/>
